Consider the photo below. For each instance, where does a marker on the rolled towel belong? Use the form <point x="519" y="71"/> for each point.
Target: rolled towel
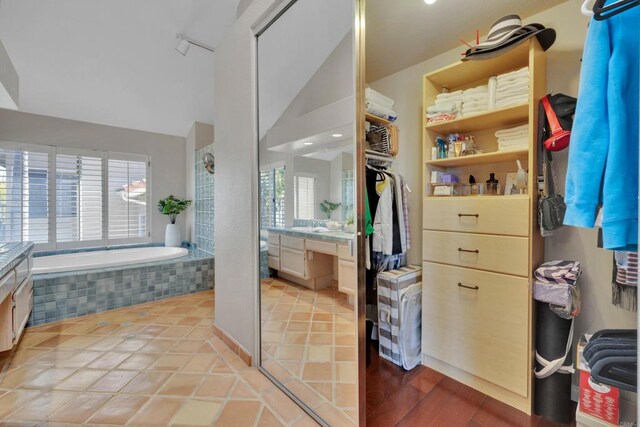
<point x="376" y="96"/>
<point x="451" y="107"/>
<point x="517" y="73"/>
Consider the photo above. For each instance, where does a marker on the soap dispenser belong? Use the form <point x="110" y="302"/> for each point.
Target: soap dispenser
<point x="492" y="184"/>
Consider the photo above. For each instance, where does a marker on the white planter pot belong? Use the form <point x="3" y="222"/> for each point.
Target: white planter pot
<point x="172" y="236"/>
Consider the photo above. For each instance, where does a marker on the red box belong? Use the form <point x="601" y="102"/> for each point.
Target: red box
<point x="598" y="400"/>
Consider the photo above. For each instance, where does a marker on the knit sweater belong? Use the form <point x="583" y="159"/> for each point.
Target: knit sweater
<point x="603" y="153"/>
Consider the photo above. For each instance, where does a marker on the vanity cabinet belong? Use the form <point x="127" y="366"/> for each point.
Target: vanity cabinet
<point x="293" y="261"/>
<point x="479" y="251"/>
<point x="16" y="303"/>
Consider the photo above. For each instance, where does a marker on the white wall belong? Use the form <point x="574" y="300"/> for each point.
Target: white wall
<point x="200" y="135"/>
<point x="167" y="152"/>
<point x="563" y="68"/>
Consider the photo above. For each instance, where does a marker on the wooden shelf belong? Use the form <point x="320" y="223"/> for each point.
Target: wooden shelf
<point x="480" y="159"/>
<point x="503" y="117"/>
<point x="377" y="120"/>
<point x="485" y="197"/>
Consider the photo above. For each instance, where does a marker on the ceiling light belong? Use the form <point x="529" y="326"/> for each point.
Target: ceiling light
<point x="185" y="42"/>
<point x="308" y="143"/>
<point x="337" y="135"/>
<point x="429" y="1"/>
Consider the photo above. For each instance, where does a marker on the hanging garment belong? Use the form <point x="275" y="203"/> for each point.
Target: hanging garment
<point x="383" y="219"/>
<point x="603" y="156"/>
<point x="624" y="286"/>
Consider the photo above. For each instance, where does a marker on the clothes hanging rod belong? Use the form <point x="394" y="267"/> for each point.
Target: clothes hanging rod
<point x="181" y="36"/>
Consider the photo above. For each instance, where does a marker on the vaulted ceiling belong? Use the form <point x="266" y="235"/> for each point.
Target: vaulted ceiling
<point x="113" y="62"/>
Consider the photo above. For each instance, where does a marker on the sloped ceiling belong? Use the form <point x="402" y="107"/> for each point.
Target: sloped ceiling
<point x="113" y="62"/>
<point x="404" y="33"/>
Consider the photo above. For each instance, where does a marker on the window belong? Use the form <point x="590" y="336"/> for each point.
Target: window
<point x="59" y="197"/>
<point x="272" y="197"/>
<point x="304" y="197"/>
<point x="24" y="201"/>
<point x="127" y="199"/>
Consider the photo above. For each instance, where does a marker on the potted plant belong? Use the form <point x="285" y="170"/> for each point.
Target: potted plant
<point x="328" y="207"/>
<point x="172" y="206"/>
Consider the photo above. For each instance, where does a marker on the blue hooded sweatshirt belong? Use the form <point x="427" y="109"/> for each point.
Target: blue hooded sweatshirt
<point x="603" y="153"/>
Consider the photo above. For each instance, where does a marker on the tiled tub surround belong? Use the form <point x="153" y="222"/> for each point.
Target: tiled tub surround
<point x="58" y="296"/>
<point x="204" y="203"/>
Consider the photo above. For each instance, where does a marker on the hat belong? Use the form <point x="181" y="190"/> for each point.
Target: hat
<point x="508" y="32"/>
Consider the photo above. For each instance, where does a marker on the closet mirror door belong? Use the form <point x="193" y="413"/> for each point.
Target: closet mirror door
<point x="306" y="117"/>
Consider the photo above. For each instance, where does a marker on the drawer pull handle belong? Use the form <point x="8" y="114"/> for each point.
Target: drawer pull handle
<point x="473" y="288"/>
<point x="475" y="251"/>
<point x="460" y="215"/>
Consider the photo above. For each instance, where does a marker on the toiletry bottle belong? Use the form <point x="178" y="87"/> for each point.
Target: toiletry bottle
<point x="492" y="184"/>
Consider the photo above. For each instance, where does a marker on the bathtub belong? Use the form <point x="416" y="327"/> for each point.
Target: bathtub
<point x="102" y="259"/>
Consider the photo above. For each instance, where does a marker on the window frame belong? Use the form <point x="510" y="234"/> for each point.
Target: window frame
<point x="296" y="189"/>
<point x="105" y="156"/>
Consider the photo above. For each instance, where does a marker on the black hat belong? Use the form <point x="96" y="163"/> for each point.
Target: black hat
<point x="508" y="32"/>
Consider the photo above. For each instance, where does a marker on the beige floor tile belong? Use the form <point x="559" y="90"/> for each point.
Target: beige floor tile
<point x="26" y="356"/>
<point x="158" y="346"/>
<point x="109" y="360"/>
<point x="281" y="405"/>
<point x="259" y="382"/>
<point x="106" y="343"/>
<point x="346" y="372"/>
<point x="290" y="352"/>
<point x="152" y="331"/>
<point x="197" y="413"/>
<point x="176" y="332"/>
<point x="170" y="362"/>
<point x="325" y="389"/>
<point x="42" y="407"/>
<point x="79" y="342"/>
<point x="317" y="371"/>
<point x="159" y="411"/>
<point x="267" y="419"/>
<point x="138" y="361"/>
<point x="78" y="410"/>
<point x="200" y="363"/>
<point x="346" y="339"/>
<point x="147" y="383"/>
<point x="131" y="345"/>
<point x="13" y="400"/>
<point x="320" y="339"/>
<point x="78" y="359"/>
<point x="298" y="326"/>
<point x="321" y="327"/>
<point x="54" y="341"/>
<point x="215" y="386"/>
<point x="239" y="413"/>
<point x="181" y="385"/>
<point x="345" y="354"/>
<point x="48" y="379"/>
<point x="118" y="410"/>
<point x="81" y="379"/>
<point x="113" y="382"/>
<point x="346" y="395"/>
<point x="319" y="353"/>
<point x="189" y="321"/>
<point x="333" y="416"/>
<point x="242" y="391"/>
<point x="16" y="377"/>
<point x="186" y="346"/>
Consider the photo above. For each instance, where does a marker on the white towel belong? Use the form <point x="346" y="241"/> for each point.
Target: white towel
<point x="513" y="81"/>
<point x="373" y="95"/>
<point x="451" y="107"/>
<point x="517" y="73"/>
<point x="476" y="97"/>
<point x="513" y="141"/>
<point x="376" y="109"/>
<point x="448" y="100"/>
<point x="493" y="85"/>
<point x="476" y="90"/>
<point x="513" y="130"/>
<point x="506" y="91"/>
<point x="510" y="101"/>
<point x="513" y="147"/>
<point x="447" y="94"/>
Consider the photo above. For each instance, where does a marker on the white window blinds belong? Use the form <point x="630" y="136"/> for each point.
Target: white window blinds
<point x="78" y="198"/>
<point x="127" y="190"/>
<point x="304" y="197"/>
<point x="24" y="194"/>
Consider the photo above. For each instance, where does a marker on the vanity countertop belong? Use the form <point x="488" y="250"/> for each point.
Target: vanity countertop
<point x="329" y="236"/>
<point x="11" y="254"/>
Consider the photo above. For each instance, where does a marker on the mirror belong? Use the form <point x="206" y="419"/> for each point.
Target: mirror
<point x="306" y="110"/>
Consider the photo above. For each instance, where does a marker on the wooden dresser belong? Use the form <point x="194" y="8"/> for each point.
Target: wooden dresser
<point x="479" y="251"/>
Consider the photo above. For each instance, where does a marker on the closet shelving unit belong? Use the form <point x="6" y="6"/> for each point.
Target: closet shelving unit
<point x="479" y="252"/>
<point x="377" y="120"/>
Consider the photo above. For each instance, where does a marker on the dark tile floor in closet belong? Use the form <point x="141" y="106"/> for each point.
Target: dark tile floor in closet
<point x="424" y="397"/>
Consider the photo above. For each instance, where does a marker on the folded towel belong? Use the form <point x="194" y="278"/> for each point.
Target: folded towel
<point x="471" y="104"/>
<point x="517" y="89"/>
<point x="512" y="147"/>
<point x="517" y="130"/>
<point x="516" y="141"/>
<point x="493" y="86"/>
<point x="476" y="90"/>
<point x="373" y="95"/>
<point x="455" y="100"/>
<point x="476" y="98"/>
<point x="517" y="73"/>
<point x="441" y="117"/>
<point x="513" y="136"/>
<point x="447" y="94"/>
<point x="381" y="111"/>
<point x="512" y="100"/>
<point x="451" y="107"/>
<point x="512" y="81"/>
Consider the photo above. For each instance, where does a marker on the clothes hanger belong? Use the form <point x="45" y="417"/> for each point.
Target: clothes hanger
<point x="585" y="9"/>
<point x="602" y="12"/>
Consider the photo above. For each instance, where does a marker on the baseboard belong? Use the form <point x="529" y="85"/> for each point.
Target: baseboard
<point x="233" y="345"/>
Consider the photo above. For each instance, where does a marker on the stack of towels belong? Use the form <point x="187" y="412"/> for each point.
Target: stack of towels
<point x="448" y="106"/>
<point x="512" y="88"/>
<point x="475" y="100"/>
<point x="379" y="105"/>
<point x="516" y="138"/>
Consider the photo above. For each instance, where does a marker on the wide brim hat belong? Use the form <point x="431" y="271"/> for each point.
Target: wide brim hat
<point x="507" y="33"/>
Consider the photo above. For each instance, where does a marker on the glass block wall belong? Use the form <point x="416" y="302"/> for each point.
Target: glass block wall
<point x="348" y="198"/>
<point x="204" y="203"/>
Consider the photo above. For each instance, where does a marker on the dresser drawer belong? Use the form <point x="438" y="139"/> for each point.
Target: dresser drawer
<point x="320" y="246"/>
<point x="491" y="215"/>
<point x="344" y="251"/>
<point x="502" y="254"/>
<point x="273" y="239"/>
<point x="292" y="242"/>
<point x="274" y="250"/>
<point x="482" y="328"/>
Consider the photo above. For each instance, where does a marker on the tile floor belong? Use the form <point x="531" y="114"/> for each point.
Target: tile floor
<point x="308" y="341"/>
<point x="156" y="364"/>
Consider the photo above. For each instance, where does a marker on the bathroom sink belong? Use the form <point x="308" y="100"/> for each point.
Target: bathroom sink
<point x="310" y="229"/>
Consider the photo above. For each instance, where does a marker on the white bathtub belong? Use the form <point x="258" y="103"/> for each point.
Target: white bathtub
<point x="102" y="259"/>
